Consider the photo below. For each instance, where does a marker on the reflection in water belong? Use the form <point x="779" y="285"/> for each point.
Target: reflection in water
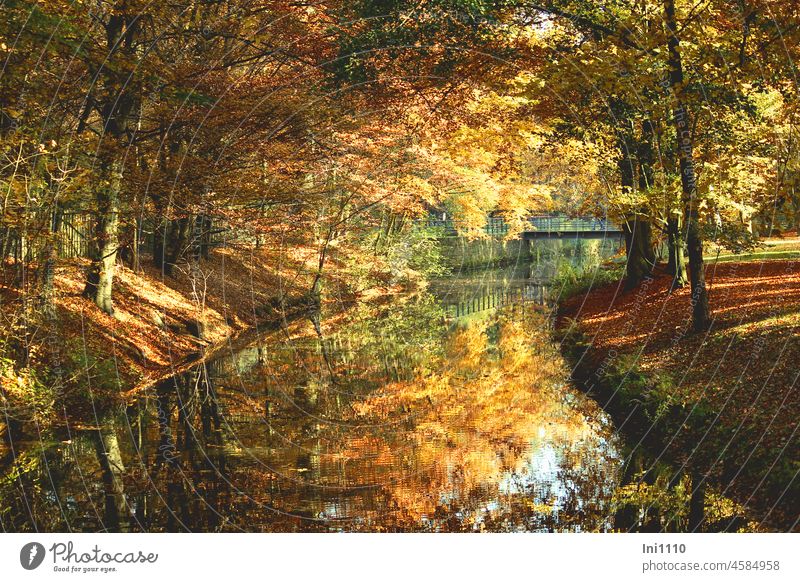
<point x="112" y="469"/>
<point x="401" y="420"/>
<point x="468" y="292"/>
<point x="475" y="433"/>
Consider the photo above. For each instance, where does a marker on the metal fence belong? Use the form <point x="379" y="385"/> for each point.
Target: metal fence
<point x="530" y="293"/>
<point x="494" y="226"/>
<point x="74" y="235"/>
<point x="497" y="226"/>
<point x="557" y="224"/>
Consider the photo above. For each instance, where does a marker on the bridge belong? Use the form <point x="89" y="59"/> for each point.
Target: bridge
<point x="541" y="227"/>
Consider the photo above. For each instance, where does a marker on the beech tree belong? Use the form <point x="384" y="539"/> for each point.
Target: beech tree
<point x="195" y="117"/>
<point x="629" y="60"/>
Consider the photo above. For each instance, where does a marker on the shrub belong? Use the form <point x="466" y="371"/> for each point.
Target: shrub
<point x="23" y="396"/>
<point x="570" y="281"/>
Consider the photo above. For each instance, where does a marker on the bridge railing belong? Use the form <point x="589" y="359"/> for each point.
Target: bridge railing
<point x="496" y="226"/>
<point x="496" y="298"/>
<point x="565" y="224"/>
<point x="493" y="227"/>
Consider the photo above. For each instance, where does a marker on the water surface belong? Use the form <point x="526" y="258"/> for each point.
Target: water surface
<point x="397" y="417"/>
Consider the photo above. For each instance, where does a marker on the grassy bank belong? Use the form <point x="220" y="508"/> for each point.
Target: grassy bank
<point x="786" y="247"/>
<point x="722" y="405"/>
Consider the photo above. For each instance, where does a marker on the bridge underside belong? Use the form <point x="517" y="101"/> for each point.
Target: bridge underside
<point x="584" y="234"/>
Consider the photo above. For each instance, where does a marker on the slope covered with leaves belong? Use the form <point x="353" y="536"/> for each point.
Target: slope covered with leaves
<point x="742" y="373"/>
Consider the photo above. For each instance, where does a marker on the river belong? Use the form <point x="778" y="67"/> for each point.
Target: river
<point x="445" y="410"/>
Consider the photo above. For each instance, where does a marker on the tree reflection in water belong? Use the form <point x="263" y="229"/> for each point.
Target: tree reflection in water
<point x="399" y="421"/>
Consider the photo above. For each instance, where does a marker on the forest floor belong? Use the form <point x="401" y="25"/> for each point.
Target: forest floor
<point x="742" y="372"/>
<point x="153" y="333"/>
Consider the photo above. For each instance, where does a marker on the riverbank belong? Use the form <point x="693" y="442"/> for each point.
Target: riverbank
<point x="161" y="325"/>
<point x="723" y="404"/>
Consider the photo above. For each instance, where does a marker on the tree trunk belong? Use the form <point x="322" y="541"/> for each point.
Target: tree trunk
<point x="178" y="241"/>
<point x="112" y="469"/>
<point x="5" y="243"/>
<point x="136" y="262"/>
<point x="48" y="262"/>
<point x="21" y="258"/>
<point x="638" y="245"/>
<point x="116" y="110"/>
<point x="697" y="503"/>
<point x="100" y="276"/>
<point x="675" y="266"/>
<point x="646" y="181"/>
<point x="700" y="312"/>
<point x="195" y="242"/>
<point x="795" y="198"/>
<point x="159" y="240"/>
<point x="205" y="240"/>
<point x="169" y="243"/>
